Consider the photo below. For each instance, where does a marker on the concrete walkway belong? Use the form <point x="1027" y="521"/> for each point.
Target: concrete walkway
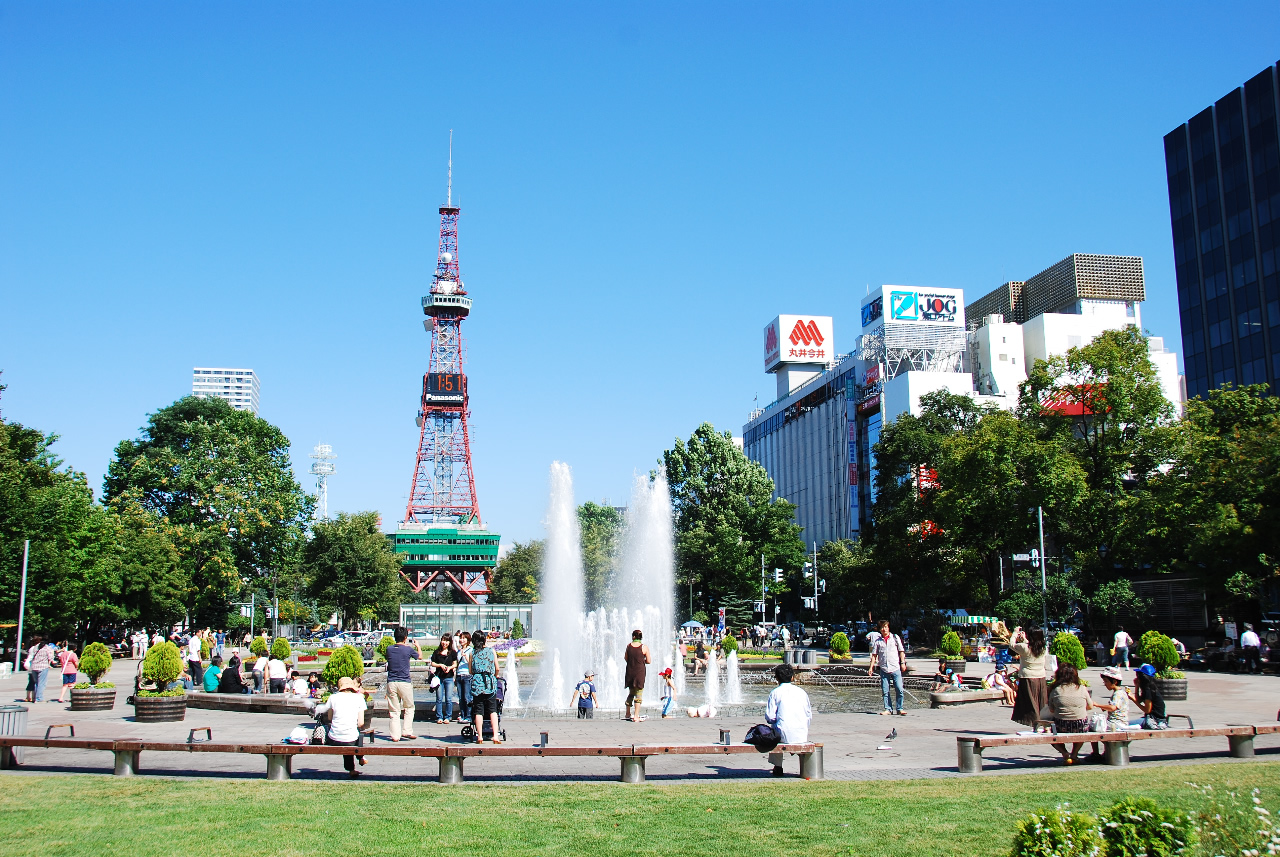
<point x="925" y="746"/>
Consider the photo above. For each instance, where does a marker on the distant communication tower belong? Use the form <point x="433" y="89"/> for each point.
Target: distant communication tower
<point x="443" y="509"/>
<point x="322" y="468"/>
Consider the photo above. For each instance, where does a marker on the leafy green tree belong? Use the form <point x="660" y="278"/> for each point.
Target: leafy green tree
<point x="599" y="526"/>
<point x="517" y="575"/>
<point x="223" y="479"/>
<point x="853" y="580"/>
<point x="1025" y="603"/>
<point x="726" y="518"/>
<point x="349" y="568"/>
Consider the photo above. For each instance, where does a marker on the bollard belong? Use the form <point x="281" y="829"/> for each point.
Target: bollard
<point x="725" y="737"/>
<point x="544" y="738"/>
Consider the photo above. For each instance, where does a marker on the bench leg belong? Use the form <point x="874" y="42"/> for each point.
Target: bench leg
<point x="279" y="767"/>
<point x="7" y="759"/>
<point x="1241" y="746"/>
<point x="968" y="756"/>
<point x="450" y="770"/>
<point x="126" y="763"/>
<point x="1116" y="753"/>
<point x="632" y="769"/>
<point x="811" y="765"/>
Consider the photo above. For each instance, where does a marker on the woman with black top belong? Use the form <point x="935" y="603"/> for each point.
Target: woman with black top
<point x="1033" y="691"/>
<point x="445" y="662"/>
<point x="230" y="682"/>
<point x="700" y="658"/>
<point x="1147" y="697"/>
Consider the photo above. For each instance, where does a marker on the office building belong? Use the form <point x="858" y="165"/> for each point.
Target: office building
<point x="817" y="439"/>
<point x="238" y="387"/>
<point x="1223" y="168"/>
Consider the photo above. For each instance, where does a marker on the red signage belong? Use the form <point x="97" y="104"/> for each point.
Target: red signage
<point x="806" y="332"/>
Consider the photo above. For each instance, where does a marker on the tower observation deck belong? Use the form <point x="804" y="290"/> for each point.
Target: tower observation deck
<point x="441" y="539"/>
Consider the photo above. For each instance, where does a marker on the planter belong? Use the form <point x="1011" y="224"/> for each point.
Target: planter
<point x="957" y="666"/>
<point x="1174" y="689"/>
<point x="93" y="698"/>
<point x="159" y="709"/>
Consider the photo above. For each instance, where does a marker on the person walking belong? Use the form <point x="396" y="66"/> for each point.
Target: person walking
<point x="586" y="694"/>
<point x="1033" y="693"/>
<point x="888" y="657"/>
<point x="636" y="657"/>
<point x="484" y="682"/>
<point x="463" y="676"/>
<point x="400" y="656"/>
<point x="70" y="669"/>
<point x="39" y="658"/>
<point x="1070" y="704"/>
<point x="444" y="660"/>
<point x="346" y="710"/>
<point x="220" y="640"/>
<point x="788" y="711"/>
<point x="195" y="664"/>
<point x="1122" y="643"/>
<point x="668" y="694"/>
<point x="1250" y="646"/>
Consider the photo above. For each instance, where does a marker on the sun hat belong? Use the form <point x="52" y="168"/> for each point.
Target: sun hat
<point x="667" y="671"/>
<point x="347" y="683"/>
<point x="1113" y="674"/>
<point x="1147" y="670"/>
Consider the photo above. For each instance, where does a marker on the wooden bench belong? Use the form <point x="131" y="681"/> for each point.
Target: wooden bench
<point x="451" y="756"/>
<point x="1116" y="744"/>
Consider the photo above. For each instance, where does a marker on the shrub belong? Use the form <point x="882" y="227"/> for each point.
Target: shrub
<point x="384" y="644"/>
<point x="205" y="651"/>
<point x="840" y="644"/>
<point x="1231" y="823"/>
<point x="1058" y="833"/>
<point x="1138" y="826"/>
<point x="517" y="629"/>
<point x="84" y="685"/>
<point x="1067" y="649"/>
<point x="950" y="644"/>
<point x="162" y="664"/>
<point x="156" y="694"/>
<point x="345" y="661"/>
<point x="258" y="646"/>
<point x="1159" y="651"/>
<point x="729" y="644"/>
<point x="95" y="661"/>
<point x="280" y="649"/>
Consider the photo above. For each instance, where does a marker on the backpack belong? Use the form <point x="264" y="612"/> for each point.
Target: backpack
<point x="763" y="737"/>
<point x="584" y="692"/>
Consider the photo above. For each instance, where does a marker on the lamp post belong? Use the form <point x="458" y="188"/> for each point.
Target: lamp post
<point x="22" y="604"/>
<point x="1044" y="580"/>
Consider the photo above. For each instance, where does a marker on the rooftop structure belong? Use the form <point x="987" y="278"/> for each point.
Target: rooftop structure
<point x="237" y="387"/>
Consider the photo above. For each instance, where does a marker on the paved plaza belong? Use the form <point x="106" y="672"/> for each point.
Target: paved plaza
<point x="925" y="746"/>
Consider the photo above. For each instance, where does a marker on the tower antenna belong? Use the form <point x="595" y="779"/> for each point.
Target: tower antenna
<point x="449" y="199"/>
<point x="322" y="468"/>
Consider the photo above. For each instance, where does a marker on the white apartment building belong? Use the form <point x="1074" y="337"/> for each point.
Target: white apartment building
<point x="238" y="387"/>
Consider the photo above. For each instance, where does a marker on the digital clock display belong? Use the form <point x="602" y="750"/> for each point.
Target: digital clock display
<point x="445" y="384"/>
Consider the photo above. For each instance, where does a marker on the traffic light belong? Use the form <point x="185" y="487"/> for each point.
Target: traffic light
<point x="808" y="570"/>
<point x="822" y="585"/>
<point x="777" y="575"/>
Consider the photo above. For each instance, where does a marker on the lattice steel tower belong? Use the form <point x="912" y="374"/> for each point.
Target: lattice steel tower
<point x="442" y="508"/>
<point x="322" y="468"/>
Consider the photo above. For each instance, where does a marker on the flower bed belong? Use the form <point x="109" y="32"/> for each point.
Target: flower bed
<point x="306" y="658"/>
<point x="324" y="653"/>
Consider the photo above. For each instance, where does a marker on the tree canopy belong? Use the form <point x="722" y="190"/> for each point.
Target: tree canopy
<point x="349" y="567"/>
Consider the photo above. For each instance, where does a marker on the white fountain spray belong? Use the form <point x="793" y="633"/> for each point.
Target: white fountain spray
<point x="732" y="681"/>
<point x="562" y="592"/>
<point x="512" y="699"/>
<point x="712" y="679"/>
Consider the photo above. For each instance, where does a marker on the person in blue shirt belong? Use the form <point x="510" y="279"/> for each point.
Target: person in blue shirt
<point x="213" y="675"/>
<point x="586" y="694"/>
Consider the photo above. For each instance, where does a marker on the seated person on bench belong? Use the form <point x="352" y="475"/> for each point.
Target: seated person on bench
<point x="1147" y="697"/>
<point x="999" y="680"/>
<point x="700" y="658"/>
<point x="942" y="678"/>
<point x="1117" y="705"/>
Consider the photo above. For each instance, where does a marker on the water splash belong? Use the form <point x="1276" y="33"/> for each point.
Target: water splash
<point x="732" y="681"/>
<point x="712" y="692"/>
<point x="562" y="589"/>
<point x="512" y="699"/>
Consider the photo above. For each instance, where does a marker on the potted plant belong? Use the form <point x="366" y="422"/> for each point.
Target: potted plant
<point x="839" y="649"/>
<point x="280" y="649"/>
<point x="94" y="695"/>
<point x="345" y="662"/>
<point x="258" y="646"/>
<point x="1066" y="647"/>
<point x="162" y="665"/>
<point x="949" y="648"/>
<point x="1159" y="651"/>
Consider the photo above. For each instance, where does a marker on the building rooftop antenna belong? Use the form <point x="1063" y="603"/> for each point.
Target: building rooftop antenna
<point x="449" y="200"/>
<point x="322" y="468"/>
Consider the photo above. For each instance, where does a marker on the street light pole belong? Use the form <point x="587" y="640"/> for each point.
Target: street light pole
<point x="1044" y="580"/>
<point x="22" y="604"/>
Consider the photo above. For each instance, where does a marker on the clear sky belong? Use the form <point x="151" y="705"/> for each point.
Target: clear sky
<point x="643" y="187"/>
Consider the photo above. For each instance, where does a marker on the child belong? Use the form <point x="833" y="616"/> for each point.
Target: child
<point x="942" y="677"/>
<point x="314" y="689"/>
<point x="586" y="693"/>
<point x="999" y="680"/>
<point x="1117" y="707"/>
<point x="668" y="693"/>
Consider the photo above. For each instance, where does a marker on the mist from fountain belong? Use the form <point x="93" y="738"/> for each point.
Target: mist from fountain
<point x="732" y="681"/>
<point x="512" y="699"/>
<point x="562" y="592"/>
<point x="712" y="691"/>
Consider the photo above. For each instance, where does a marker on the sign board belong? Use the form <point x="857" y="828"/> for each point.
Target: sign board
<point x="760" y="607"/>
<point x="720" y="622"/>
<point x="245" y="611"/>
<point x="810" y="603"/>
<point x="1022" y="557"/>
<point x="798" y="339"/>
<point x="1229" y="628"/>
<point x="1035" y="557"/>
<point x="893" y="305"/>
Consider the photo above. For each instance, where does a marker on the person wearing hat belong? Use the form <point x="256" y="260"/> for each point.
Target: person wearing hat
<point x="346" y="710"/>
<point x="1117" y="706"/>
<point x="586" y="694"/>
<point x="668" y="693"/>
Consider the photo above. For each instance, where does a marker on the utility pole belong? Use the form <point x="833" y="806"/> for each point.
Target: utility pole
<point x="22" y="604"/>
<point x="1044" y="580"/>
<point x="815" y="580"/>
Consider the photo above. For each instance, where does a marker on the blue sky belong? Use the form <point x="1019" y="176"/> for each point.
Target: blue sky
<point x="643" y="188"/>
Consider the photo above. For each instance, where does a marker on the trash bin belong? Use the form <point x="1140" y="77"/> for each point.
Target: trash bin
<point x="13" y="721"/>
<point x="810" y="658"/>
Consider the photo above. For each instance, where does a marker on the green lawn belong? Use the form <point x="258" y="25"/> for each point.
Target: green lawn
<point x="98" y="815"/>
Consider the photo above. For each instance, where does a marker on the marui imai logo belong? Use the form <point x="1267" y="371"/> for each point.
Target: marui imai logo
<point x="804" y="336"/>
<point x="771" y="340"/>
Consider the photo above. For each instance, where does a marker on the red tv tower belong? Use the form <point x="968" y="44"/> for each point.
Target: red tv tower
<point x="441" y="539"/>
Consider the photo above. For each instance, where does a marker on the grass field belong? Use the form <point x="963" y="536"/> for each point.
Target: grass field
<point x="97" y="815"/>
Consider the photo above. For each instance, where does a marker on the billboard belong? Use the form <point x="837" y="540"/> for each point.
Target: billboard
<point x="798" y="339"/>
<point x="912" y="305"/>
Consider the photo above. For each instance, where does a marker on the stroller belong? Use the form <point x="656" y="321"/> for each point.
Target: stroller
<point x="486" y="726"/>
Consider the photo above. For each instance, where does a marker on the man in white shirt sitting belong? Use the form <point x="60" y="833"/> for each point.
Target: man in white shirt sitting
<point x="788" y="711"/>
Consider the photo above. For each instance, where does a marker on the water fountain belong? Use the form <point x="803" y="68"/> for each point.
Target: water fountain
<point x="732" y="681"/>
<point x="640" y="596"/>
<point x="512" y="699"/>
<point x="712" y="692"/>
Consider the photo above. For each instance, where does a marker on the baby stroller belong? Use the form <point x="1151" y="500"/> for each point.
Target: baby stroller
<point x="469" y="729"/>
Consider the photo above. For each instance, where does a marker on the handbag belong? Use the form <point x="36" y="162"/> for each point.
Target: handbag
<point x="318" y="734"/>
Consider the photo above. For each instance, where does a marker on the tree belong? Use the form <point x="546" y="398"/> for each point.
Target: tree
<point x="599" y="526"/>
<point x="222" y="478"/>
<point x="350" y="569"/>
<point x="517" y="575"/>
<point x="853" y="580"/>
<point x="726" y="517"/>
